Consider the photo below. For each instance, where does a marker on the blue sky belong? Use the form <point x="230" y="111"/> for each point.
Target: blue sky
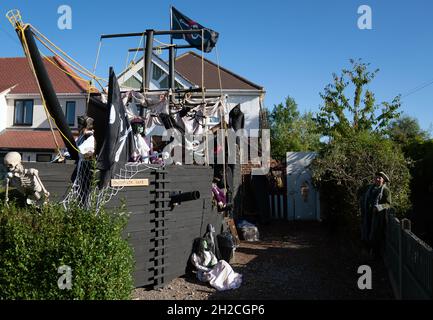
<point x="289" y="47"/>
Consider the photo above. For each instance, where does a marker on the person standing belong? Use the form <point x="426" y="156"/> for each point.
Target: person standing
<point x="374" y="204"/>
<point x="142" y="144"/>
<point x="86" y="140"/>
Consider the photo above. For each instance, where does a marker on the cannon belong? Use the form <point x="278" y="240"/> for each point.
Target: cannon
<point x="179" y="197"/>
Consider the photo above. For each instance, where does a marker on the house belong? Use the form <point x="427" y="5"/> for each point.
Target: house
<point x="188" y="73"/>
<point x="24" y="126"/>
<point x="23" y="122"/>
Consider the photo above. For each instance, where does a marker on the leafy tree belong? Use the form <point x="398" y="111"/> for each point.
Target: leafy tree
<point x="291" y="131"/>
<point x="406" y="130"/>
<point x="342" y="115"/>
<point x="421" y="155"/>
<point x="346" y="166"/>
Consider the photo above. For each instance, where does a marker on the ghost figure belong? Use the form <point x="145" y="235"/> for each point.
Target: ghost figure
<point x="26" y="181"/>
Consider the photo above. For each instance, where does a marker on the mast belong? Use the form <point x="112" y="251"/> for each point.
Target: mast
<point x="46" y="87"/>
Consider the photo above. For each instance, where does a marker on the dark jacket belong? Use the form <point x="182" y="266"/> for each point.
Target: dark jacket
<point x="374" y="197"/>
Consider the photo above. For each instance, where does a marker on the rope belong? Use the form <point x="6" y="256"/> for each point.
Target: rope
<point x="65" y="54"/>
<point x="27" y="53"/>
<point x="223" y="123"/>
<point x="139" y="46"/>
<point x="202" y="64"/>
<point x="88" y="74"/>
<point x="219" y="70"/>
<point x="163" y="44"/>
<point x="126" y="61"/>
<point x="94" y="70"/>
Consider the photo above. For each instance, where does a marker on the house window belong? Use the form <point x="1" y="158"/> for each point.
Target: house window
<point x="163" y="84"/>
<point x="70" y="113"/>
<point x="40" y="157"/>
<point x="157" y="73"/>
<point x="23" y="115"/>
<point x="178" y="85"/>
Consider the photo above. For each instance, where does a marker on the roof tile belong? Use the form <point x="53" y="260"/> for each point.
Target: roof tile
<point x="189" y="65"/>
<point x="30" y="139"/>
<point x="16" y="72"/>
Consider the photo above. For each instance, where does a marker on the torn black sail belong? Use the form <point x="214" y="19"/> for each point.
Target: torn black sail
<point x="119" y="141"/>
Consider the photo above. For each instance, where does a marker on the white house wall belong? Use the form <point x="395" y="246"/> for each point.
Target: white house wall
<point x="39" y="115"/>
<point x="250" y="106"/>
<point x="3" y="111"/>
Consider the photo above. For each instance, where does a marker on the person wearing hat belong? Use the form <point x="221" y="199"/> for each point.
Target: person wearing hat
<point x="86" y="147"/>
<point x="85" y="141"/>
<point x="374" y="204"/>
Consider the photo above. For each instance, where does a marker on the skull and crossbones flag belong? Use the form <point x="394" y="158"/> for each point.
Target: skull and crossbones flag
<point x="119" y="142"/>
<point x="181" y="22"/>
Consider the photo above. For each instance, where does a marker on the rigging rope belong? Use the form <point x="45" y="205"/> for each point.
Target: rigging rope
<point x="84" y="70"/>
<point x="27" y="53"/>
<point x="223" y="121"/>
<point x="94" y="70"/>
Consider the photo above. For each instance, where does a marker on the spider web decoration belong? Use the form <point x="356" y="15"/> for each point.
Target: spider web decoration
<point x="85" y="192"/>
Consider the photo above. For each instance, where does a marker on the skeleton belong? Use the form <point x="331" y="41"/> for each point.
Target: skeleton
<point x="26" y="181"/>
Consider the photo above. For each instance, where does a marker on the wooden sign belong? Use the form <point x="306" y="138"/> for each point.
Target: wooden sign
<point x="129" y="182"/>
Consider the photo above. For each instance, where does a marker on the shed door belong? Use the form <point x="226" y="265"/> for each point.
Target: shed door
<point x="302" y="196"/>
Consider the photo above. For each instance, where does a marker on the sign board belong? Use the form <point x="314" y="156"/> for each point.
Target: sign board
<point x="129" y="182"/>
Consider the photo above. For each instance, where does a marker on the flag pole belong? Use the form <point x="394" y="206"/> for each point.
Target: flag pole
<point x="171" y="55"/>
<point x="171" y="23"/>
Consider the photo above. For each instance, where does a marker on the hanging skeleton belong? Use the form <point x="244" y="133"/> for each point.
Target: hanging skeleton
<point x="26" y="181"/>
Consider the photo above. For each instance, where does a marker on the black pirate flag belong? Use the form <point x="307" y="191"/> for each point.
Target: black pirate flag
<point x="182" y="22"/>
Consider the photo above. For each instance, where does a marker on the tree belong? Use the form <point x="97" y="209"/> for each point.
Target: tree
<point x="406" y="130"/>
<point x="291" y="131"/>
<point x="342" y="115"/>
<point x="345" y="166"/>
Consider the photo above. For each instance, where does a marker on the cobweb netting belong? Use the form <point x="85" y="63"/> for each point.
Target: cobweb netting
<point x="85" y="192"/>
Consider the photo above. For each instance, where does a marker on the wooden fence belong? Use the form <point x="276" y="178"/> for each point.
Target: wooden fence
<point x="409" y="261"/>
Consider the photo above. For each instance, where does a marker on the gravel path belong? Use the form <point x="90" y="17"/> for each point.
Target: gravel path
<point x="292" y="261"/>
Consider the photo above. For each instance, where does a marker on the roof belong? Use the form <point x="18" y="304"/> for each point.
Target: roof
<point x="156" y="60"/>
<point x="30" y="139"/>
<point x="16" y="73"/>
<point x="189" y="65"/>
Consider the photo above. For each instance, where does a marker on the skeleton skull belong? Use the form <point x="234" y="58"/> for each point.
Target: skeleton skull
<point x="12" y="161"/>
<point x="26" y="181"/>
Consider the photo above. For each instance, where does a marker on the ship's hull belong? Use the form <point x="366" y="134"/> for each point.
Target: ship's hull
<point x="161" y="240"/>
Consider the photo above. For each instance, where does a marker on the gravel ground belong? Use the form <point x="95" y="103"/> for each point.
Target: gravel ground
<point x="292" y="261"/>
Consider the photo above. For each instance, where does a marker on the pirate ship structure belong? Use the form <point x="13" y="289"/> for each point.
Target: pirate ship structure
<point x="168" y="205"/>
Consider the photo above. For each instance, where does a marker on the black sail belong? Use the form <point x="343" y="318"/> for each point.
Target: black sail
<point x="48" y="94"/>
<point x="119" y="142"/>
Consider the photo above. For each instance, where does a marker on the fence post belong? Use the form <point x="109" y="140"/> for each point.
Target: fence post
<point x="405" y="226"/>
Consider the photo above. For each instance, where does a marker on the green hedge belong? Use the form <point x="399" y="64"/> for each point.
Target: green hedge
<point x="34" y="243"/>
<point x="347" y="165"/>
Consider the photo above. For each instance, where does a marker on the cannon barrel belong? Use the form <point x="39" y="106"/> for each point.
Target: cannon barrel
<point x="184" y="196"/>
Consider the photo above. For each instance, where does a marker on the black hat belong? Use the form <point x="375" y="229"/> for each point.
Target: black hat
<point x="137" y="120"/>
<point x="85" y="121"/>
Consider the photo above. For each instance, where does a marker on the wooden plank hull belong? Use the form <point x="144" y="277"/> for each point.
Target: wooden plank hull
<point x="184" y="223"/>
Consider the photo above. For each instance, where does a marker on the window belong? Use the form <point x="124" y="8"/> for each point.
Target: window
<point x="178" y="85"/>
<point x="23" y="112"/>
<point x="163" y="84"/>
<point x="70" y="113"/>
<point x="43" y="157"/>
<point x="157" y="73"/>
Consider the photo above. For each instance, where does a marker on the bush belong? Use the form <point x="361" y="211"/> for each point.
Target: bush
<point x="346" y="166"/>
<point x="34" y="243"/>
